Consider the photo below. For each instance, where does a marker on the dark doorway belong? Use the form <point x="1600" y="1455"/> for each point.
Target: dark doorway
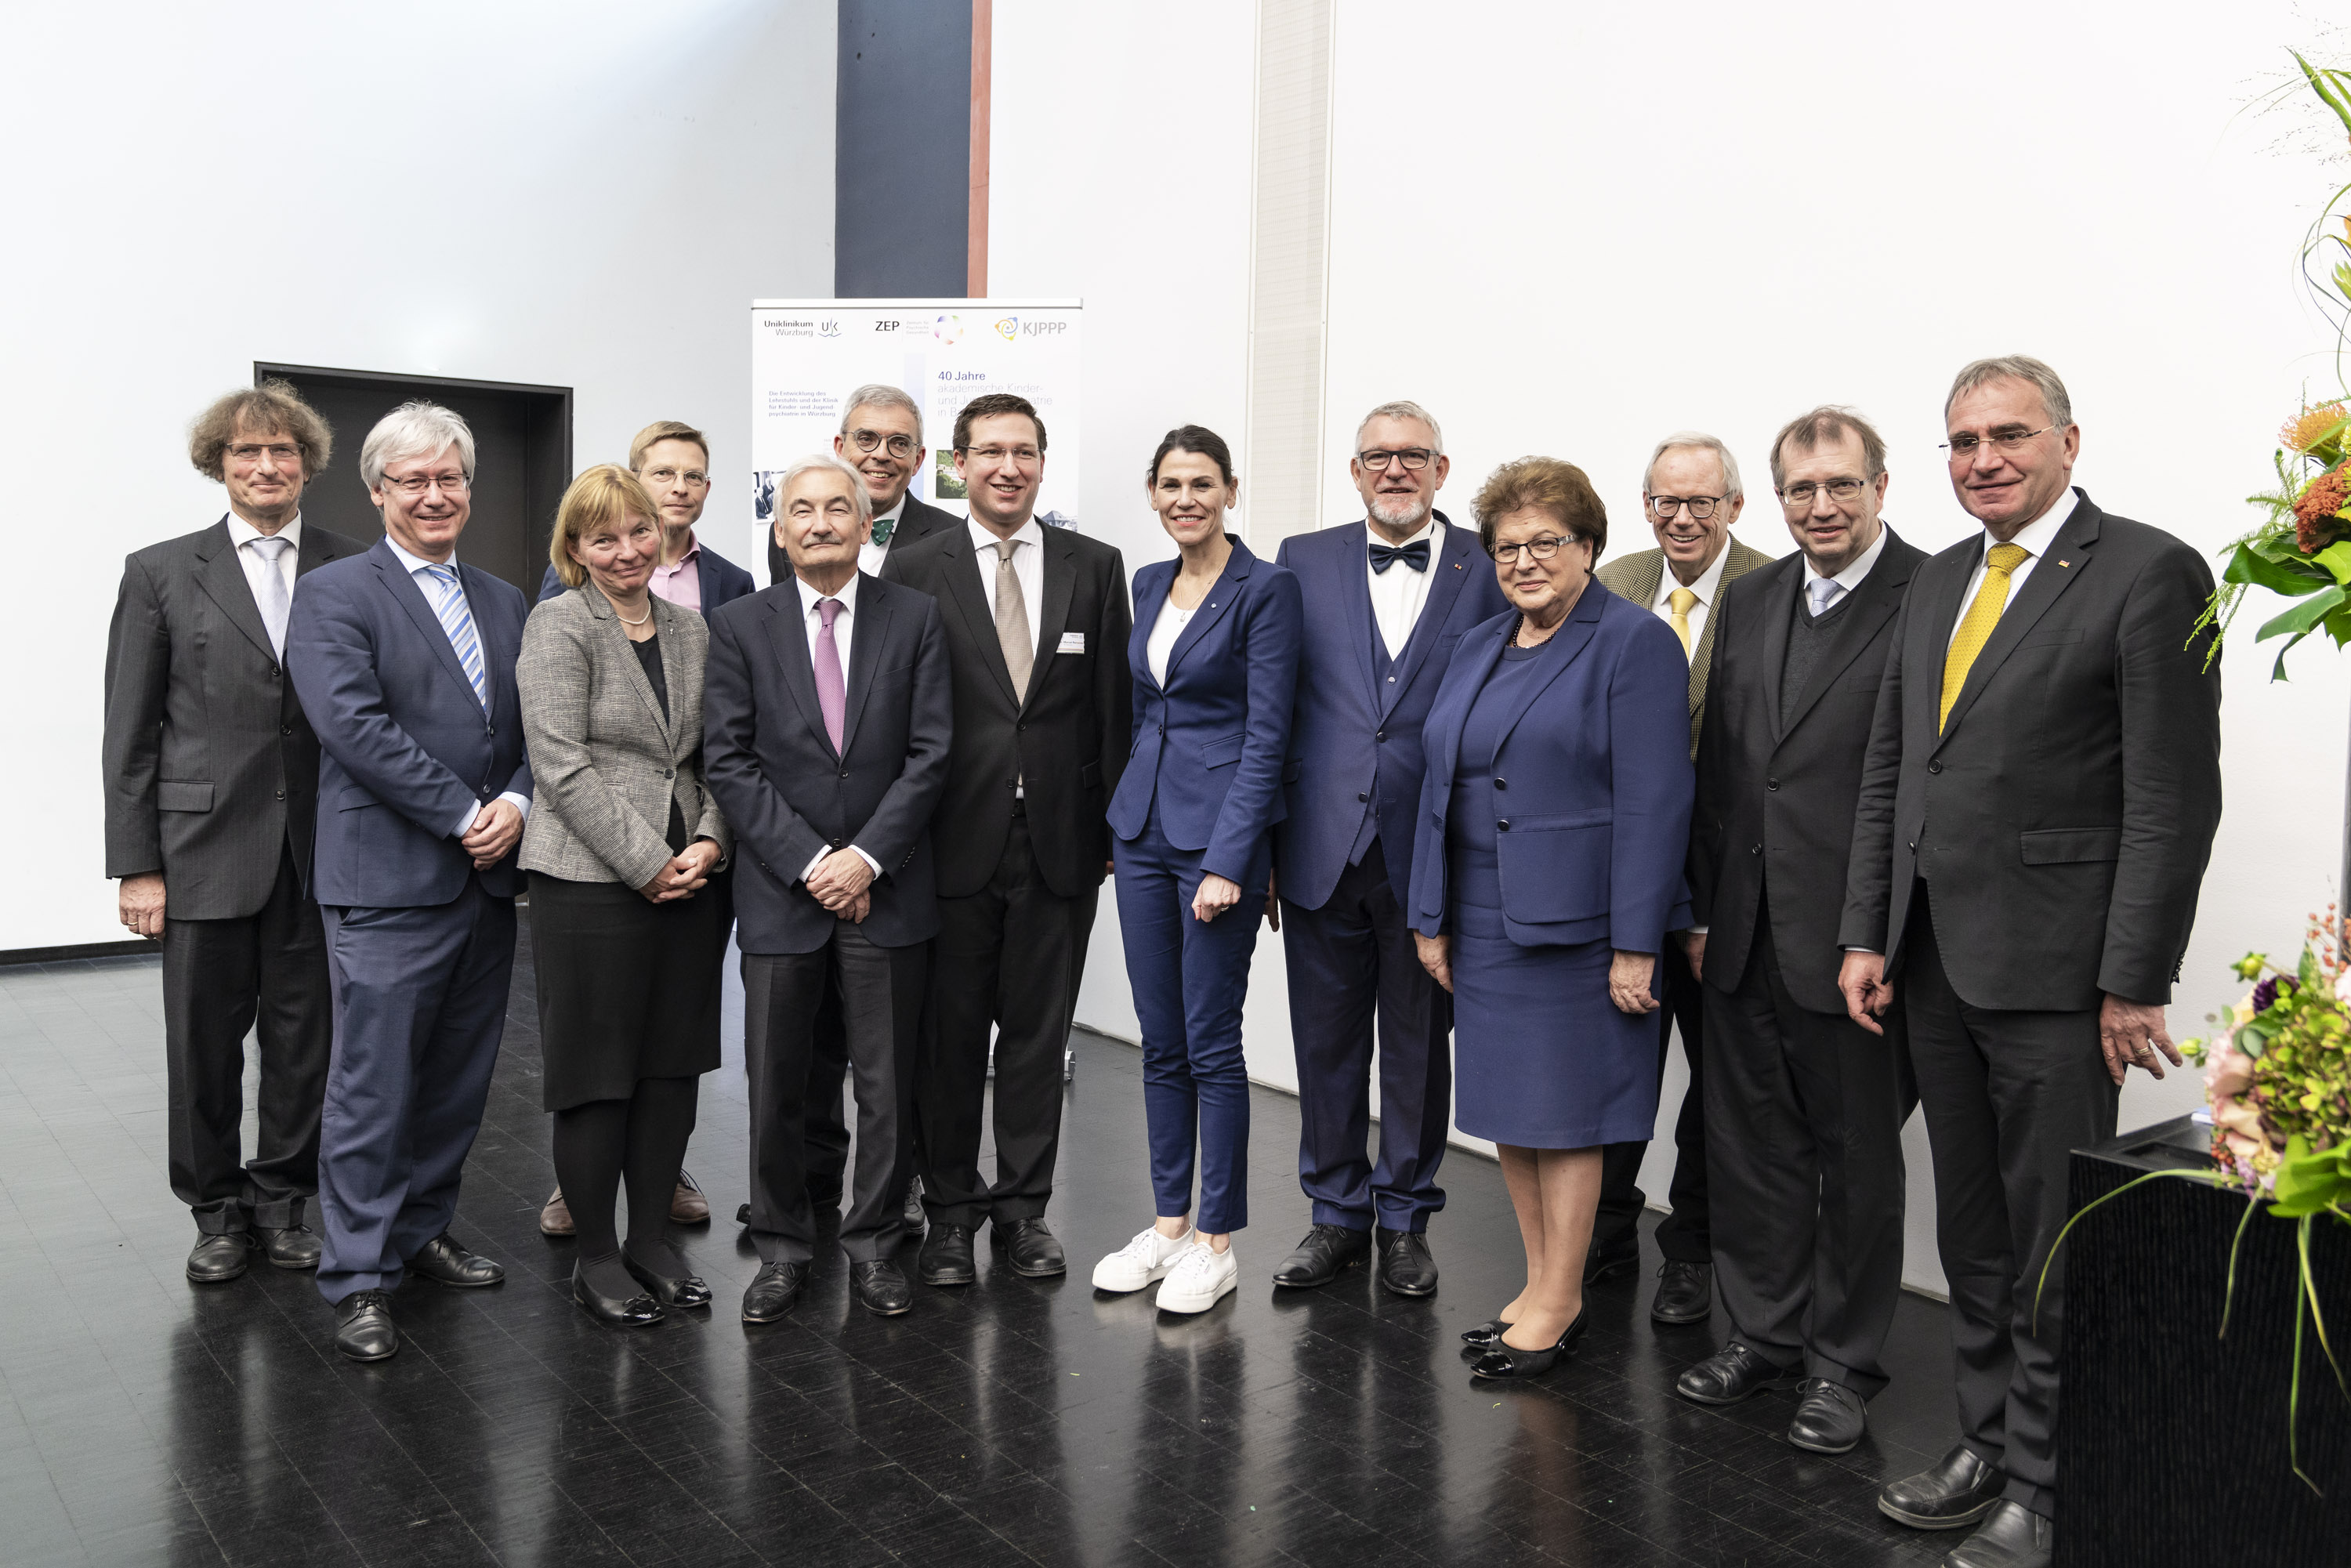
<point x="522" y="459"/>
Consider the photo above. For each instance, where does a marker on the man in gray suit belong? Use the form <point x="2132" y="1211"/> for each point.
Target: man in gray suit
<point x="2044" y="773"/>
<point x="212" y="781"/>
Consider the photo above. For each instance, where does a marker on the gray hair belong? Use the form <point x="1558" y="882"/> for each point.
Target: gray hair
<point x="1830" y="422"/>
<point x="1402" y="410"/>
<point x="2016" y="368"/>
<point x="815" y="460"/>
<point x="415" y="429"/>
<point x="881" y="394"/>
<point x="1700" y="440"/>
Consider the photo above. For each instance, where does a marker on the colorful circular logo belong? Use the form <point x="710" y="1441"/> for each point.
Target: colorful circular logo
<point x="947" y="328"/>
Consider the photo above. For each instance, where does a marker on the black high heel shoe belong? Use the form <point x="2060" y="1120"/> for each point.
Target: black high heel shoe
<point x="686" y="1291"/>
<point x="629" y="1313"/>
<point x="1486" y="1336"/>
<point x="1504" y="1363"/>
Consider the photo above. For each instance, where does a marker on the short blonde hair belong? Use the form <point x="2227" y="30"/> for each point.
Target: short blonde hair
<point x="1549" y="485"/>
<point x="662" y="430"/>
<point x="605" y="494"/>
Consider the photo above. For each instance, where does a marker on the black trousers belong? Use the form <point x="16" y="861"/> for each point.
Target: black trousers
<point x="1682" y="1235"/>
<point x="222" y="979"/>
<point x="1803" y="1147"/>
<point x="2008" y="1096"/>
<point x="825" y="1137"/>
<point x="881" y="1003"/>
<point x="1006" y="959"/>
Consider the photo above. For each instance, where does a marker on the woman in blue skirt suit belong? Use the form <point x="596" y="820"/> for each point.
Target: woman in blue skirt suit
<point x="1558" y="797"/>
<point x="1215" y="656"/>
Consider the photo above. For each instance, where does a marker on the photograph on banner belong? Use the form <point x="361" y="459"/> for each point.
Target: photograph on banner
<point x="808" y="355"/>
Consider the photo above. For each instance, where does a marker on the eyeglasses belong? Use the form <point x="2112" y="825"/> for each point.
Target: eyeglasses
<point x="2003" y="442"/>
<point x="695" y="477"/>
<point x="250" y="451"/>
<point x="1543" y="548"/>
<point x="1701" y="507"/>
<point x="415" y="484"/>
<point x="896" y="445"/>
<point x="999" y="453"/>
<point x="1802" y="492"/>
<point x="1414" y="458"/>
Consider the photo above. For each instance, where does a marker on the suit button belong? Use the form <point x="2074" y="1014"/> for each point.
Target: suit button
<point x="1383" y="735"/>
<point x="1770" y="783"/>
<point x="285" y="730"/>
<point x="669" y="772"/>
<point x="281" y="794"/>
<point x="1914" y="845"/>
<point x="1503" y="826"/>
<point x="1361" y="795"/>
<point x="836" y="843"/>
<point x="1022" y="728"/>
<point x="844" y="773"/>
<point x="1502" y="783"/>
<point x="1756" y="850"/>
<point x="275" y="672"/>
<point x="1935" y="766"/>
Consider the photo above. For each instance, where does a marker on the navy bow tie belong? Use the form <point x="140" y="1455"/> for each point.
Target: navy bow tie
<point x="1414" y="555"/>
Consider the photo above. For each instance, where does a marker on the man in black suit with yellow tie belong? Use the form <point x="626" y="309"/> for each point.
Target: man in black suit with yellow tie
<point x="2037" y="808"/>
<point x="1037" y="625"/>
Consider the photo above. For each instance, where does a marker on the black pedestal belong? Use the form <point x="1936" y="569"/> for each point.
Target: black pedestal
<point x="2172" y="1444"/>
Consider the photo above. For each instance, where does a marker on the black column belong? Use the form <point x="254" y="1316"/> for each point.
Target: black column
<point x="902" y="159"/>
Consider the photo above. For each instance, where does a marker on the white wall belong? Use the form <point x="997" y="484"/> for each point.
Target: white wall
<point x="583" y="195"/>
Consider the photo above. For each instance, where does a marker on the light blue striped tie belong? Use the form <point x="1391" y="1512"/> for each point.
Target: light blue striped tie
<point x="457" y="621"/>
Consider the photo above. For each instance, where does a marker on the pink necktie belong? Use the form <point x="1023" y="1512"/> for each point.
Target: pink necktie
<point x="830" y="688"/>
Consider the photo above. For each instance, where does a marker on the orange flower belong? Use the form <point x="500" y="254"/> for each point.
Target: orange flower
<point x="2311" y="425"/>
<point x="2315" y="524"/>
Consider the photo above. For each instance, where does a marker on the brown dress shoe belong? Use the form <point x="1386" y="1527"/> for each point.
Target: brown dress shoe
<point x="555" y="1220"/>
<point x="686" y="1205"/>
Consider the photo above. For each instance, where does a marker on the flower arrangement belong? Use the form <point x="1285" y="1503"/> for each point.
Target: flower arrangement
<point x="2278" y="1075"/>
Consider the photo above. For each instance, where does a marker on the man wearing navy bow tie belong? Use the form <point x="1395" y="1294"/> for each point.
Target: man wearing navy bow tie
<point x="1388" y="599"/>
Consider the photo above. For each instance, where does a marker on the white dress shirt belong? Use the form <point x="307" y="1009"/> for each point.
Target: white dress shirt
<point x="241" y="534"/>
<point x="1164" y="633"/>
<point x="1844" y="582"/>
<point x="415" y="566"/>
<point x="1399" y="593"/>
<point x="870" y="556"/>
<point x="844" y="633"/>
<point x="1027" y="565"/>
<point x="2036" y="536"/>
<point x="1708" y="586"/>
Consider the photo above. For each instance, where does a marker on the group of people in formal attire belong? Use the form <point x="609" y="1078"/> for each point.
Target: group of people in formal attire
<point x="1868" y="830"/>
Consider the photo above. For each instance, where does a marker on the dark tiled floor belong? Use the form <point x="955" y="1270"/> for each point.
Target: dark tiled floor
<point x="144" y="1421"/>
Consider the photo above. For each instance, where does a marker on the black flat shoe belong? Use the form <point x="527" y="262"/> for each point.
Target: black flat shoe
<point x="1731" y="1374"/>
<point x="1323" y="1251"/>
<point x="1504" y="1363"/>
<point x="289" y="1247"/>
<point x="686" y="1291"/>
<point x="1685" y="1293"/>
<point x="774" y="1291"/>
<point x="363" y="1326"/>
<point x="620" y="1311"/>
<point x="219" y="1257"/>
<point x="444" y="1262"/>
<point x="1951" y="1495"/>
<point x="1830" y="1419"/>
<point x="880" y="1288"/>
<point x="946" y="1259"/>
<point x="1406" y="1266"/>
<point x="1034" y="1252"/>
<point x="1486" y="1334"/>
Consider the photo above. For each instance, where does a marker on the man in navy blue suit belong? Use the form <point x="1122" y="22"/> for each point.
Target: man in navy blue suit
<point x="405" y="663"/>
<point x="1387" y="599"/>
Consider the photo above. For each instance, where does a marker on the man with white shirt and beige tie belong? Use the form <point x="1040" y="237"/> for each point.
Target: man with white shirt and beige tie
<point x="1691" y="494"/>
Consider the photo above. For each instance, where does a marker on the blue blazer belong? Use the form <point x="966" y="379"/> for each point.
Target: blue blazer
<point x="1599" y="782"/>
<point x="723" y="581"/>
<point x="1354" y="746"/>
<point x="405" y="745"/>
<point x="1211" y="746"/>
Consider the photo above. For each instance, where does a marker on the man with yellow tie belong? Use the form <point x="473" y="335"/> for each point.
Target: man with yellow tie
<point x="2036" y="810"/>
<point x="1691" y="494"/>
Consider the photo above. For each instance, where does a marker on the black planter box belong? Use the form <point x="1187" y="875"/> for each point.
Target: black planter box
<point x="2172" y="1441"/>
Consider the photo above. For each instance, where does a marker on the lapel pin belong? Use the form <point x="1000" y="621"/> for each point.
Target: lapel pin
<point x="2064" y="563"/>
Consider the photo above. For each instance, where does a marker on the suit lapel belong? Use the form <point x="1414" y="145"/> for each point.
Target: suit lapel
<point x="1477" y="663"/>
<point x="1452" y="567"/>
<point x="1217" y="605"/>
<point x="1757" y="603"/>
<point x="1355" y="601"/>
<point x="969" y="600"/>
<point x="222" y="579"/>
<point x="1150" y="597"/>
<point x="1058" y="570"/>
<point x="874" y="606"/>
<point x="788" y="637"/>
<point x="1570" y="640"/>
<point x="2067" y="557"/>
<point x="409" y="594"/>
<point x="616" y="639"/>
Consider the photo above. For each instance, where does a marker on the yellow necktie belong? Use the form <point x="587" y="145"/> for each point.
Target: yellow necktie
<point x="1680" y="601"/>
<point x="1975" y="627"/>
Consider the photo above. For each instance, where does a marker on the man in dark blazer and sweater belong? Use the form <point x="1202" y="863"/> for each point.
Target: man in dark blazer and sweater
<point x="1036" y="623"/>
<point x="212" y="781"/>
<point x="405" y="660"/>
<point x="1387" y="599"/>
<point x="1804" y="1108"/>
<point x="827" y="708"/>
<point x="2042" y="789"/>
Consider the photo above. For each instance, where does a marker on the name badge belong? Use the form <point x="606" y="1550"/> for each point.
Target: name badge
<point x="1073" y="643"/>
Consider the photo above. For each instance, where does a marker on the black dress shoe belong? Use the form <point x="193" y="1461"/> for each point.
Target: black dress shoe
<point x="1950" y="1496"/>
<point x="1503" y="1362"/>
<point x="2011" y="1536"/>
<point x="1406" y="1266"/>
<point x="773" y="1292"/>
<point x="621" y="1311"/>
<point x="363" y="1328"/>
<point x="686" y="1290"/>
<point x="880" y="1288"/>
<point x="1599" y="1265"/>
<point x="1685" y="1292"/>
<point x="289" y="1247"/>
<point x="947" y="1256"/>
<point x="1485" y="1334"/>
<point x="1830" y="1418"/>
<point x="742" y="1214"/>
<point x="1324" y="1251"/>
<point x="444" y="1262"/>
<point x="1731" y="1374"/>
<point x="219" y="1256"/>
<point x="1033" y="1251"/>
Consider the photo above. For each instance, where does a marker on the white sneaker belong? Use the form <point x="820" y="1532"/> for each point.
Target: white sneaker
<point x="1147" y="1257"/>
<point x="1201" y="1277"/>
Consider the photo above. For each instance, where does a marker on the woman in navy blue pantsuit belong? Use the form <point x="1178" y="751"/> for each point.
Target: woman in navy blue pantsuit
<point x="1557" y="806"/>
<point x="1215" y="656"/>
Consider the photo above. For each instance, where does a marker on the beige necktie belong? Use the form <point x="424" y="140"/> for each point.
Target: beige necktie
<point x="1975" y="627"/>
<point x="1679" y="602"/>
<point x="1012" y="620"/>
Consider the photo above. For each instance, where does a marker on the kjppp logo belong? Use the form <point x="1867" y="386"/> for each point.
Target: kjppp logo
<point x="1009" y="328"/>
<point x="947" y="328"/>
